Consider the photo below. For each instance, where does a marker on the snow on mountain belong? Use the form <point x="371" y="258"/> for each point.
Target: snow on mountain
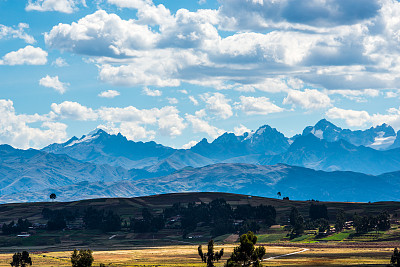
<point x="380" y="137"/>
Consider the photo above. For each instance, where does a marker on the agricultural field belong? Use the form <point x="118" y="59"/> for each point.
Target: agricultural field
<point x="186" y="255"/>
<point x="171" y="247"/>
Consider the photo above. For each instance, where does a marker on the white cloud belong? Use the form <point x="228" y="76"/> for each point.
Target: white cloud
<point x="64" y="6"/>
<point x="352" y="117"/>
<point x="362" y="117"/>
<point x="183" y="91"/>
<point x="136" y="4"/>
<point x="193" y="100"/>
<point x="73" y="111"/>
<point x="199" y="125"/>
<point x="172" y="100"/>
<point x="15" y="129"/>
<point x="356" y="95"/>
<point x="59" y="62"/>
<point x="170" y="123"/>
<point x="130" y="120"/>
<point x="308" y="99"/>
<point x="167" y="118"/>
<point x="240" y="130"/>
<point x="13" y="32"/>
<point x="189" y="145"/>
<point x="326" y="45"/>
<point x="392" y="94"/>
<point x="53" y="82"/>
<point x="131" y="130"/>
<point x="25" y="56"/>
<point x="102" y="34"/>
<point x="218" y="104"/>
<point x="257" y="105"/>
<point x="109" y="94"/>
<point x="150" y="92"/>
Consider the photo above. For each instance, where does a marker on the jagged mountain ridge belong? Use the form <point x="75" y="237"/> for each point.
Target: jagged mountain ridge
<point x="264" y="146"/>
<point x="379" y="137"/>
<point x="311" y="152"/>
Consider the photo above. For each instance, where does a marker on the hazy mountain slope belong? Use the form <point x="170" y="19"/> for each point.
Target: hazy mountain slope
<point x="32" y="170"/>
<point x="311" y="152"/>
<point x="295" y="182"/>
<point x="179" y="160"/>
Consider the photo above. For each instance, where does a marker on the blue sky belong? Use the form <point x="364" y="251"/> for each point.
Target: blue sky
<point x="178" y="71"/>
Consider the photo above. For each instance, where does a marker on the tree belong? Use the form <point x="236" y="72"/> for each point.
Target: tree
<point x="395" y="260"/>
<point x="246" y="254"/>
<point x="210" y="257"/>
<point x="297" y="223"/>
<point x="340" y="220"/>
<point x="323" y="225"/>
<point x="53" y="196"/>
<point x="318" y="212"/>
<point x="21" y="259"/>
<point x="83" y="258"/>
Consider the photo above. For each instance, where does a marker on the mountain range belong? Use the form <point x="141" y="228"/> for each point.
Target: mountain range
<point x="324" y="162"/>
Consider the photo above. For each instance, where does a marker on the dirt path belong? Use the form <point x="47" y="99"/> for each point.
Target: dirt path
<point x="285" y="255"/>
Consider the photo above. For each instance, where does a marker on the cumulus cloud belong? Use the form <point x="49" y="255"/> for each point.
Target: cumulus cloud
<point x="218" y="105"/>
<point x="53" y="82"/>
<point x="101" y="34"/>
<point x="240" y="130"/>
<point x="323" y="44"/>
<point x="170" y="123"/>
<point x="131" y="130"/>
<point x="362" y="117"/>
<point x="73" y="111"/>
<point x="257" y="105"/>
<point x="7" y="32"/>
<point x="200" y="125"/>
<point x="150" y="92"/>
<point x="109" y="94"/>
<point x="352" y="117"/>
<point x="15" y="128"/>
<point x="25" y="56"/>
<point x="308" y="99"/>
<point x="64" y="6"/>
<point x="189" y="145"/>
<point x="166" y="119"/>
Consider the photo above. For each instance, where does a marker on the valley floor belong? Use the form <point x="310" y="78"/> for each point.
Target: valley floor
<point x="186" y="255"/>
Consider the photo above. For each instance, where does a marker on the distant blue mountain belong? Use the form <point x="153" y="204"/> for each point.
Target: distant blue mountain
<point x="264" y="141"/>
<point x="323" y="146"/>
<point x="311" y="152"/>
<point x="103" y="148"/>
<point x="297" y="183"/>
<point x="379" y="137"/>
<point x="33" y="170"/>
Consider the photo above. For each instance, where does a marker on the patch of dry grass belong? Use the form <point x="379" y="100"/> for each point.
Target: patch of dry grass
<point x="184" y="256"/>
